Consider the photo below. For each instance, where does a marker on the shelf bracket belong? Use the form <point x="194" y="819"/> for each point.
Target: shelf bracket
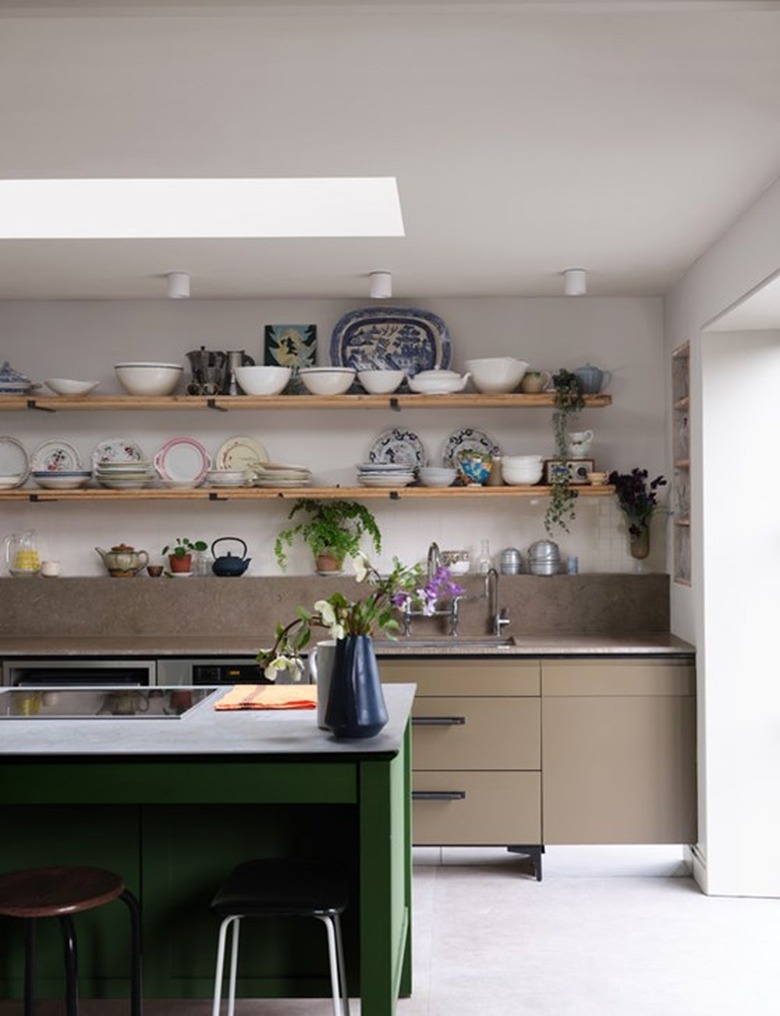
<point x="395" y="405"/>
<point x="393" y="495"/>
<point x="212" y="404"/>
<point x="37" y="499"/>
<point x="32" y="404"/>
<point x="214" y="496"/>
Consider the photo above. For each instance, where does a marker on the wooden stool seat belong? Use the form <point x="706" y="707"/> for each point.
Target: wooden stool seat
<point x="60" y="892"/>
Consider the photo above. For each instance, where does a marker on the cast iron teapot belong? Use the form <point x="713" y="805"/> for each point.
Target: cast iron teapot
<point x="228" y="565"/>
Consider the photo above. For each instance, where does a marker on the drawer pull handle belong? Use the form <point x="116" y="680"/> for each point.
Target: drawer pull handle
<point x="438" y="721"/>
<point x="438" y="795"/>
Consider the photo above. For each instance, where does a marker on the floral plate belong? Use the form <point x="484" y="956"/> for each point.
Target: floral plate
<point x="398" y="447"/>
<point x="468" y="439"/>
<point x="390" y="338"/>
<point x="54" y="457"/>
<point x="117" y="450"/>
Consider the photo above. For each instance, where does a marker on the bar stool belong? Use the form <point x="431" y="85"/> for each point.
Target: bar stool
<point x="282" y="887"/>
<point x="61" y="892"/>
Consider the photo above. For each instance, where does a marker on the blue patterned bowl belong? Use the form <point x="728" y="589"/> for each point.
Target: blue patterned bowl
<point x="474" y="468"/>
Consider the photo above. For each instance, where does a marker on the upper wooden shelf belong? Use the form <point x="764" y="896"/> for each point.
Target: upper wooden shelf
<point x="288" y="493"/>
<point x="224" y="403"/>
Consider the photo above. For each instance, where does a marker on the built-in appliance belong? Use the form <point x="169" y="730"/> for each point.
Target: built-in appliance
<point x="102" y="673"/>
<point x="212" y="670"/>
<point x="126" y="702"/>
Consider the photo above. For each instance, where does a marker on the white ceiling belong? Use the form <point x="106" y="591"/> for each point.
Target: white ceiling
<point x="527" y="137"/>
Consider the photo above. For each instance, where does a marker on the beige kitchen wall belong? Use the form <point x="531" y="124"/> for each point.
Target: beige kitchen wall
<point x="84" y="339"/>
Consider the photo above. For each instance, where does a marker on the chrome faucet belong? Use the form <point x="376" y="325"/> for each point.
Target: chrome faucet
<point x="434" y="560"/>
<point x="498" y="616"/>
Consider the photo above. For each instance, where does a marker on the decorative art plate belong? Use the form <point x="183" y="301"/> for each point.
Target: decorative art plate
<point x="54" y="457"/>
<point x="468" y="439"/>
<point x="116" y="450"/>
<point x="240" y="453"/>
<point x="398" y="447"/>
<point x="182" y="461"/>
<point x="390" y="338"/>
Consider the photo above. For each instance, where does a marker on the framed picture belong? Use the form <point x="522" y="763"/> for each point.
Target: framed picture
<point x="577" y="469"/>
<point x="290" y="346"/>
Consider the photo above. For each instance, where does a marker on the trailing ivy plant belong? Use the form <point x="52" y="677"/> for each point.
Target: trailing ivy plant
<point x="568" y="401"/>
<point x="334" y="527"/>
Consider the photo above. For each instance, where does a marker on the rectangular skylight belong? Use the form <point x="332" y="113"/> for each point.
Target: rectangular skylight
<point x="208" y="208"/>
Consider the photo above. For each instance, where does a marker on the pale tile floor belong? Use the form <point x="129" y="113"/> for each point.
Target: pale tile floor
<point x="609" y="932"/>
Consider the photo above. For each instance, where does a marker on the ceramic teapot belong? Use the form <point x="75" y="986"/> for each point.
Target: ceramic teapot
<point x="123" y="561"/>
<point x="21" y="553"/>
<point x="227" y="565"/>
<point x="591" y="378"/>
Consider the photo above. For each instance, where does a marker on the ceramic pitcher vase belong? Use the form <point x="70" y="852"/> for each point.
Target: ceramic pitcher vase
<point x="356" y="705"/>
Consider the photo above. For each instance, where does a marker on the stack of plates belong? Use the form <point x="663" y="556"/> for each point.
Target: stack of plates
<point x="62" y="479"/>
<point x="279" y="474"/>
<point x="377" y="474"/>
<point x="124" y="475"/>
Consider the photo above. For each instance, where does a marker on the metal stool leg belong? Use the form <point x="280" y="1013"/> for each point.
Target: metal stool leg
<point x="233" y="967"/>
<point x="232" y="922"/>
<point x="71" y="965"/>
<point x="29" y="966"/>
<point x="342" y="964"/>
<point x="338" y="981"/>
<point x="136" y="992"/>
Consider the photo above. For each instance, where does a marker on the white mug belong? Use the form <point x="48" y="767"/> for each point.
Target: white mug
<point x="321" y="661"/>
<point x="50" y="568"/>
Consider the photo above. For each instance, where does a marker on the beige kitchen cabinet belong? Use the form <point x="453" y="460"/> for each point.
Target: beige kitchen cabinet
<point x="618" y="751"/>
<point x="476" y="751"/>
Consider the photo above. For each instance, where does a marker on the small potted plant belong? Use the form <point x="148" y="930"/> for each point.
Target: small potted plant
<point x="332" y="531"/>
<point x="180" y="554"/>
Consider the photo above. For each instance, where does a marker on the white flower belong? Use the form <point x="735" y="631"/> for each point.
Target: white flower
<point x="294" y="667"/>
<point x="326" y="612"/>
<point x="361" y="566"/>
<point x="337" y="631"/>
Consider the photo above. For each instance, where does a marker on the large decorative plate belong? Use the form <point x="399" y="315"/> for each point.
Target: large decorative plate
<point x="54" y="457"/>
<point x="468" y="439"/>
<point x="182" y="461"/>
<point x="390" y="338"/>
<point x="240" y="453"/>
<point x="14" y="463"/>
<point x="117" y="450"/>
<point x="399" y="447"/>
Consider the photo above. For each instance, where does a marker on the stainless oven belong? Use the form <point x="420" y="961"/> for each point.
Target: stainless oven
<point x="209" y="670"/>
<point x="95" y="673"/>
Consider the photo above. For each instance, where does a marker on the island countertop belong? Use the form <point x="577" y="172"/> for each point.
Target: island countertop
<point x="205" y="731"/>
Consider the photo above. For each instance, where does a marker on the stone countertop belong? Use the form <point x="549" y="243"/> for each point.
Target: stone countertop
<point x="234" y="646"/>
<point x="204" y="731"/>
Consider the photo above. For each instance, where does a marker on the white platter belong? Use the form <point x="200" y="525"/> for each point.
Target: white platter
<point x="14" y="463"/>
<point x="182" y="461"/>
<point x="240" y="452"/>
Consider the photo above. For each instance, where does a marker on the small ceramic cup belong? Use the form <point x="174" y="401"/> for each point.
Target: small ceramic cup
<point x="50" y="569"/>
<point x="154" y="570"/>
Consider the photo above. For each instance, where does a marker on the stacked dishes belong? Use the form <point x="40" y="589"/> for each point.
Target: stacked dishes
<point x="279" y="474"/>
<point x="228" y="478"/>
<point x="124" y="475"/>
<point x="377" y="474"/>
<point x="56" y="465"/>
<point x="63" y="479"/>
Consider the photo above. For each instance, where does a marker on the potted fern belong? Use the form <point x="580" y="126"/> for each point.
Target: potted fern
<point x="332" y="530"/>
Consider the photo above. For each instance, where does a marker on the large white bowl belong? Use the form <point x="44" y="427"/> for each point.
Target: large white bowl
<point x="148" y="378"/>
<point x="263" y="380"/>
<point x="380" y="382"/>
<point x="67" y="386"/>
<point x="496" y="373"/>
<point x="437" y="476"/>
<point x="521" y="476"/>
<point x="327" y="380"/>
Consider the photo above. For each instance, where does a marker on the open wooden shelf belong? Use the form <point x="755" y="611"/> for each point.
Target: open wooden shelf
<point x="103" y="494"/>
<point x="225" y="403"/>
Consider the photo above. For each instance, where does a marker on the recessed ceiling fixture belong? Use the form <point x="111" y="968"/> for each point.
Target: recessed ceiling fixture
<point x="178" y="285"/>
<point x="575" y="282"/>
<point x="380" y="285"/>
<point x="252" y="208"/>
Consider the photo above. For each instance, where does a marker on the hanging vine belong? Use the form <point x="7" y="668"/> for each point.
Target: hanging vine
<point x="568" y="401"/>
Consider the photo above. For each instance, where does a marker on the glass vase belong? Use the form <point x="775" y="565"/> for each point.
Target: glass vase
<point x="639" y="548"/>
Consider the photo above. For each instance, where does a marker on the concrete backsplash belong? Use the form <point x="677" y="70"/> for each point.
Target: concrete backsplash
<point x="584" y="604"/>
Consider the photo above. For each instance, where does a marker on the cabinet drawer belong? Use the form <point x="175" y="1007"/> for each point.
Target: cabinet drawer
<point x="496" y="808"/>
<point x="449" y="676"/>
<point x="618" y="677"/>
<point x="476" y="733"/>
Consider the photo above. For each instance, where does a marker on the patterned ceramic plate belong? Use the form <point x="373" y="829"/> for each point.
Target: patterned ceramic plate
<point x="117" y="450"/>
<point x="182" y="461"/>
<point x="398" y="447"/>
<point x="54" y="457"/>
<point x="468" y="439"/>
<point x="390" y="338"/>
<point x="240" y="453"/>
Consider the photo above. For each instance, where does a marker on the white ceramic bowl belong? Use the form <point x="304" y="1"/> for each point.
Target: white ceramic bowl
<point x="66" y="386"/>
<point x="521" y="476"/>
<point x="496" y="373"/>
<point x="380" y="382"/>
<point x="263" y="380"/>
<point x="10" y="480"/>
<point x="437" y="476"/>
<point x="521" y="460"/>
<point x="438" y="382"/>
<point x="148" y="378"/>
<point x="69" y="480"/>
<point x="327" y="380"/>
<point x="227" y="477"/>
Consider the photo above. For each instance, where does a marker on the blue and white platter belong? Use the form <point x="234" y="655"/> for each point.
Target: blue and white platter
<point x="390" y="338"/>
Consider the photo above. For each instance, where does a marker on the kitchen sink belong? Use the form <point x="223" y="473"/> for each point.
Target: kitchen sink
<point x="447" y="642"/>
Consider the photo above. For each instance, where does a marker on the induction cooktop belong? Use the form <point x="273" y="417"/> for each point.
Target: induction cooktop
<point x="122" y="702"/>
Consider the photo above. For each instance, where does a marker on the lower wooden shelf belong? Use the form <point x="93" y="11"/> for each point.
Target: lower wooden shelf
<point x="290" y="493"/>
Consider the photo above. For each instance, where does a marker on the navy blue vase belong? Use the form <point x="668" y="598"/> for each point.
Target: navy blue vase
<point x="356" y="705"/>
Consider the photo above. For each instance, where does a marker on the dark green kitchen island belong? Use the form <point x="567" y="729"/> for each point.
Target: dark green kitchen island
<point x="173" y="804"/>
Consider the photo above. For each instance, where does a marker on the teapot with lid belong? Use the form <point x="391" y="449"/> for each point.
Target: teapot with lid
<point x="123" y="561"/>
<point x="21" y="553"/>
<point x="592" y="379"/>
<point x="227" y="565"/>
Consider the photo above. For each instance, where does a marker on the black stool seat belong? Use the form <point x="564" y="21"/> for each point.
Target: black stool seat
<point x="61" y="891"/>
<point x="50" y="892"/>
<point x="280" y="887"/>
